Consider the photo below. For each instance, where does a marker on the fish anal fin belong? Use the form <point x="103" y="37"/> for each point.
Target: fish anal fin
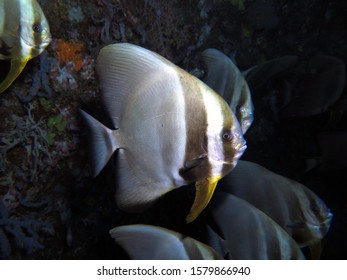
<point x="204" y="190"/>
<point x="316" y="250"/>
<point x="17" y="65"/>
<point x="135" y="190"/>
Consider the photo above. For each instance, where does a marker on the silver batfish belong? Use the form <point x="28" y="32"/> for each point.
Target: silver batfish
<point x="24" y="34"/>
<point x="293" y="206"/>
<point x="238" y="230"/>
<point x="226" y="79"/>
<point x="170" y="129"/>
<point x="145" y="242"/>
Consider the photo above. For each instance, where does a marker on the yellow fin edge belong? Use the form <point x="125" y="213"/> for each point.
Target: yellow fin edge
<point x="204" y="190"/>
<point x="17" y="65"/>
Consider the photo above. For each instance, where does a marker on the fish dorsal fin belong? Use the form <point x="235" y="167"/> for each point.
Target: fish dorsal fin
<point x="126" y="71"/>
<point x="223" y="76"/>
<point x="146" y="242"/>
<point x="258" y="75"/>
<point x="216" y="241"/>
<point x="149" y="242"/>
<point x="17" y="65"/>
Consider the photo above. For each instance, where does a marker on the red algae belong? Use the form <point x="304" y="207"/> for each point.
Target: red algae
<point x="70" y="51"/>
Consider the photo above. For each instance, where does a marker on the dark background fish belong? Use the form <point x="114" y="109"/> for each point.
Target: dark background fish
<point x="299" y="211"/>
<point x="160" y="244"/>
<point x="238" y="230"/>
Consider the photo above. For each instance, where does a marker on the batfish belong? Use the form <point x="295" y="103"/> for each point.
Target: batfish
<point x="145" y="242"/>
<point x="238" y="230"/>
<point x="24" y="34"/>
<point x="226" y="79"/>
<point x="299" y="211"/>
<point x="170" y="129"/>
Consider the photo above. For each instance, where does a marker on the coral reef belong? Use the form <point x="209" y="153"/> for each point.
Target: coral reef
<point x="240" y="4"/>
<point x="32" y="137"/>
<point x="23" y="233"/>
<point x="40" y="81"/>
<point x="69" y="51"/>
<point x="161" y="25"/>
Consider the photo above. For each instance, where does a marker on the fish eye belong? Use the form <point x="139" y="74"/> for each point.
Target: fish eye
<point x="227" y="135"/>
<point x="37" y="28"/>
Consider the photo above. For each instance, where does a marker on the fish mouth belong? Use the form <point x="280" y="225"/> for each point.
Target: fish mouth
<point x="46" y="39"/>
<point x="232" y="161"/>
<point x="323" y="225"/>
<point x="45" y="42"/>
<point x="43" y="45"/>
<point x="328" y="220"/>
<point x="239" y="152"/>
<point x="240" y="149"/>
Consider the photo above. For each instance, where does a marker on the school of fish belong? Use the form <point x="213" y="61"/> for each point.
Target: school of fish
<point x="171" y="129"/>
<point x="254" y="213"/>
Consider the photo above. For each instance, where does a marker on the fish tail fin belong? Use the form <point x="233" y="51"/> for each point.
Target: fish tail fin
<point x="102" y="143"/>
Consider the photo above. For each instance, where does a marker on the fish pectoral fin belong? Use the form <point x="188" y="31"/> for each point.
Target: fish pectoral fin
<point x="203" y="192"/>
<point x="194" y="162"/>
<point x="316" y="250"/>
<point x="17" y="65"/>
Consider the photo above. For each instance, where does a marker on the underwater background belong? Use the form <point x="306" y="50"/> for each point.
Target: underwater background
<point x="51" y="208"/>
